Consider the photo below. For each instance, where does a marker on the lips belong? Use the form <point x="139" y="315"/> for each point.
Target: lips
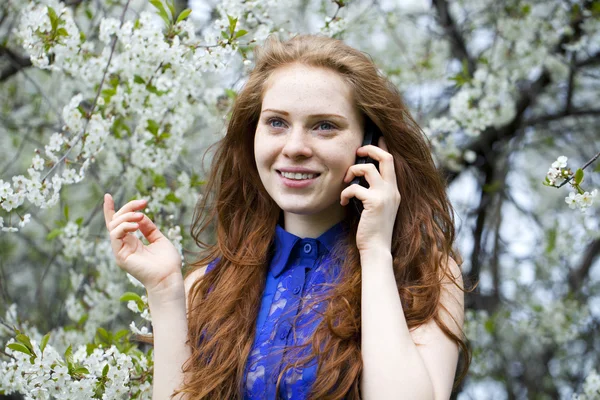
<point x="297" y="183"/>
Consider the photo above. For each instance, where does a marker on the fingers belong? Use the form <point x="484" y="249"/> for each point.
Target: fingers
<point x="149" y="230"/>
<point x="385" y="159"/>
<point x="120" y="223"/>
<point x="123" y="229"/>
<point x="127" y="220"/>
<point x="369" y="171"/>
<point x="133" y="205"/>
<point x="109" y="209"/>
<point x="127" y="217"/>
<point x="360" y="192"/>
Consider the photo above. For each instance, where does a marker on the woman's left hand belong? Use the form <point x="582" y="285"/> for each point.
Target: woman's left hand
<point x="380" y="200"/>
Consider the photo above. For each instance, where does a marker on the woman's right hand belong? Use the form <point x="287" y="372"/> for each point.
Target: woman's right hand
<point x="158" y="265"/>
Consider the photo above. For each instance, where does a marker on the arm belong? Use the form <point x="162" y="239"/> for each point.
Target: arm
<point x="394" y="367"/>
<point x="157" y="265"/>
<point x="169" y="320"/>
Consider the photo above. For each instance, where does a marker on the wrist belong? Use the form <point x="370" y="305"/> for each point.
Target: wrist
<point x="376" y="252"/>
<point x="376" y="255"/>
<point x="170" y="290"/>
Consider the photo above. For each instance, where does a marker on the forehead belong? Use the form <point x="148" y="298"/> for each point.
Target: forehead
<point x="308" y="90"/>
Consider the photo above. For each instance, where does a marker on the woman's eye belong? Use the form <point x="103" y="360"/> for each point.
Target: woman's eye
<point x="331" y="126"/>
<point x="270" y="121"/>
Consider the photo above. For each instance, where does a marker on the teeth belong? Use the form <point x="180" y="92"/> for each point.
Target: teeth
<point x="291" y="175"/>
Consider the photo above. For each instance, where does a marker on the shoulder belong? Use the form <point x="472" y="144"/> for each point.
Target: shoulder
<point x="192" y="277"/>
<point x="452" y="295"/>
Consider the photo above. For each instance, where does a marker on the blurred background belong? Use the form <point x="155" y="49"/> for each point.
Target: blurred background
<point x="501" y="88"/>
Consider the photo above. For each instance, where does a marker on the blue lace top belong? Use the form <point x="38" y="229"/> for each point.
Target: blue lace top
<point x="297" y="270"/>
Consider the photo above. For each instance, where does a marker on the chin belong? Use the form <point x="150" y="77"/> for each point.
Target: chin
<point x="299" y="209"/>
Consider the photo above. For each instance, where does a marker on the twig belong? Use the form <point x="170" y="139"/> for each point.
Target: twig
<point x="584" y="167"/>
<point x="91" y="112"/>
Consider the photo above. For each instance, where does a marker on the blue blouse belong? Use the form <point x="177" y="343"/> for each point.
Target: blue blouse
<point x="297" y="270"/>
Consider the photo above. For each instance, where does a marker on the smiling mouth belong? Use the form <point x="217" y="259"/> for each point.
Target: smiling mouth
<point x="297" y="176"/>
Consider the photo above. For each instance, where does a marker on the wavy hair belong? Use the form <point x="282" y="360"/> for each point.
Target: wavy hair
<point x="223" y="305"/>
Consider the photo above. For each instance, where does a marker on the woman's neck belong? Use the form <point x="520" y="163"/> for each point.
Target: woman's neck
<point x="313" y="225"/>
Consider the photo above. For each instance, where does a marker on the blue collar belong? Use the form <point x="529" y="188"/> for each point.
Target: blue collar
<point x="285" y="242"/>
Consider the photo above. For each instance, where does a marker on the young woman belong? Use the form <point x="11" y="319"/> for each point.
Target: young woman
<point x="302" y="296"/>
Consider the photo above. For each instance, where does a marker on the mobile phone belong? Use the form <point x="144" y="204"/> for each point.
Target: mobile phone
<point x="372" y="135"/>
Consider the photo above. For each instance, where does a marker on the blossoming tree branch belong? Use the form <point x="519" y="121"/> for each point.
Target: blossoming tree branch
<point x="121" y="96"/>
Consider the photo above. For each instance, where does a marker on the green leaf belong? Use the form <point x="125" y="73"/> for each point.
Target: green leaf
<point x="79" y="221"/>
<point x="171" y="6"/>
<point x="232" y="94"/>
<point x="19" y="347"/>
<point x="172" y="198"/>
<point x="62" y="32"/>
<point x="162" y="12"/>
<point x="66" y="212"/>
<point x="83" y="319"/>
<point x="120" y="334"/>
<point x="578" y="176"/>
<point x="130" y="296"/>
<point x="103" y="335"/>
<point x="53" y="233"/>
<point x="105" y="370"/>
<point x="159" y="180"/>
<point x="552" y="235"/>
<point x="225" y="35"/>
<point x="69" y="356"/>
<point x="240" y="33"/>
<point x="53" y="18"/>
<point x="44" y="342"/>
<point x="232" y="24"/>
<point x="81" y="371"/>
<point x="153" y="89"/>
<point x="24" y="339"/>
<point x="139" y="185"/>
<point x="139" y="79"/>
<point x="489" y="325"/>
<point x="120" y="127"/>
<point x="153" y="127"/>
<point x="184" y="14"/>
<point x="88" y="13"/>
<point x="164" y="136"/>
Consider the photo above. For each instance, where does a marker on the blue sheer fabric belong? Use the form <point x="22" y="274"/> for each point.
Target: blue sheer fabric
<point x="297" y="271"/>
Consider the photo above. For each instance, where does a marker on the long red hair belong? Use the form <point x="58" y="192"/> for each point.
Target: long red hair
<point x="237" y="210"/>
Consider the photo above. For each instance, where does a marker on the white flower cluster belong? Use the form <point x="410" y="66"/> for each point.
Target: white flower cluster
<point x="553" y="325"/>
<point x="558" y="322"/>
<point x="591" y="387"/>
<point x="581" y="200"/>
<point x="335" y="26"/>
<point x="559" y="170"/>
<point x="478" y="330"/>
<point x="36" y="26"/>
<point x="153" y="89"/>
<point x="486" y="101"/>
<point x="107" y="372"/>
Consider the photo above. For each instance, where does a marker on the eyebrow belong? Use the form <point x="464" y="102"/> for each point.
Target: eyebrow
<point x="310" y="116"/>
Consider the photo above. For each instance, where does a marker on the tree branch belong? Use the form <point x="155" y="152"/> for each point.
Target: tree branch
<point x="563" y="114"/>
<point x="588" y="62"/>
<point x="459" y="48"/>
<point x="577" y="276"/>
<point x="16" y="63"/>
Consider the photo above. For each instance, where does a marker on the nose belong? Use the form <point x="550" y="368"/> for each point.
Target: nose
<point x="297" y="144"/>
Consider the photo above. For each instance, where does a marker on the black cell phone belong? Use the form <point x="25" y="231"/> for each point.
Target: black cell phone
<point x="372" y="135"/>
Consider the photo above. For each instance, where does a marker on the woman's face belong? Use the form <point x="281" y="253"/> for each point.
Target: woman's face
<point x="309" y="126"/>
